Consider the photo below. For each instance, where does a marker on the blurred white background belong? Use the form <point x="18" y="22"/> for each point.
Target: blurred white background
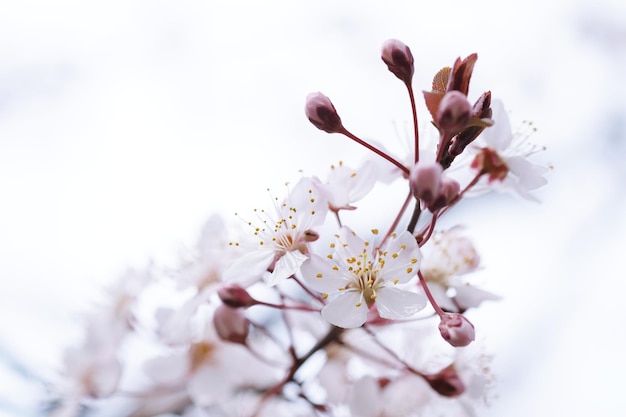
<point x="125" y="124"/>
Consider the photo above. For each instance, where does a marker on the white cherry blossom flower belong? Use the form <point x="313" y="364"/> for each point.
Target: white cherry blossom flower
<point x="209" y="369"/>
<point x="503" y="155"/>
<point x="345" y="185"/>
<point x="205" y="265"/>
<point x="403" y="396"/>
<point x="92" y="369"/>
<point x="449" y="256"/>
<point x="281" y="243"/>
<point x="363" y="276"/>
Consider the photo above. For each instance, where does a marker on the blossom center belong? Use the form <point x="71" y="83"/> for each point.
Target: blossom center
<point x="489" y="162"/>
<point x="366" y="278"/>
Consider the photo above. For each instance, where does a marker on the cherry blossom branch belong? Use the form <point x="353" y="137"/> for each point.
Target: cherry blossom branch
<point x="397" y="219"/>
<point x="415" y="126"/>
<point x="430" y="297"/>
<point x="377" y="151"/>
<point x="431" y="228"/>
<point x="468" y="187"/>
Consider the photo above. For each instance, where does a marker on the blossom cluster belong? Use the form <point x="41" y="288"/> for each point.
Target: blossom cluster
<point x="296" y="313"/>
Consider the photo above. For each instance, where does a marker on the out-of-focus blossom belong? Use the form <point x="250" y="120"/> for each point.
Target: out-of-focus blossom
<point x="205" y="265"/>
<point x="93" y="369"/>
<point x="209" y="369"/>
<point x="448" y="257"/>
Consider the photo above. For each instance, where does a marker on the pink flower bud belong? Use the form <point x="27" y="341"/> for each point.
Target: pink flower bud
<point x="454" y="112"/>
<point x="456" y="329"/>
<point x="321" y="112"/>
<point x="449" y="189"/>
<point x="424" y="180"/>
<point x="231" y="324"/>
<point x="399" y="59"/>
<point x="235" y="296"/>
<point x="446" y="382"/>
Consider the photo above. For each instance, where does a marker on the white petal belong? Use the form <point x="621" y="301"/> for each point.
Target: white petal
<point x="529" y="175"/>
<point x="347" y="310"/>
<point x="439" y="294"/>
<point x="209" y="385"/>
<point x="499" y="136"/>
<point x="349" y="244"/>
<point x="320" y="275"/>
<point x="167" y="369"/>
<point x="363" y="182"/>
<point x="286" y="266"/>
<point x="406" y="262"/>
<point x="468" y="296"/>
<point x="249" y="267"/>
<point x="394" y="303"/>
<point x="310" y="203"/>
<point x="365" y="398"/>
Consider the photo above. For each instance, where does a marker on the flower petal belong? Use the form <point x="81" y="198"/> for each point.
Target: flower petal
<point x="321" y="276"/>
<point x="286" y="266"/>
<point x="403" y="258"/>
<point x="249" y="267"/>
<point x="469" y="296"/>
<point x="347" y="310"/>
<point x="394" y="303"/>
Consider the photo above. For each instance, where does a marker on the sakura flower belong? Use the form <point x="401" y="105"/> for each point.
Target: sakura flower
<point x="503" y="157"/>
<point x="403" y="396"/>
<point x="282" y="242"/>
<point x="364" y="276"/>
<point x="345" y="185"/>
<point x="205" y="265"/>
<point x="449" y="256"/>
<point x="92" y="369"/>
<point x="209" y="369"/>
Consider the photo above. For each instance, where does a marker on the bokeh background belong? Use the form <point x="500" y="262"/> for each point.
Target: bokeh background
<point x="125" y="124"/>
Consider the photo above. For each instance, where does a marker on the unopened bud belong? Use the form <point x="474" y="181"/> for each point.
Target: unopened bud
<point x="424" y="180"/>
<point x="231" y="324"/>
<point x="454" y="112"/>
<point x="449" y="189"/>
<point x="399" y="59"/>
<point x="235" y="296"/>
<point x="456" y="329"/>
<point x="321" y="112"/>
<point x="446" y="382"/>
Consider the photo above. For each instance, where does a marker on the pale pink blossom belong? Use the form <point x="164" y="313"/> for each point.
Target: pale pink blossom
<point x="504" y="156"/>
<point x="204" y="266"/>
<point x="448" y="257"/>
<point x="345" y="186"/>
<point x="92" y="369"/>
<point x="362" y="276"/>
<point x="209" y="369"/>
<point x="281" y="242"/>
